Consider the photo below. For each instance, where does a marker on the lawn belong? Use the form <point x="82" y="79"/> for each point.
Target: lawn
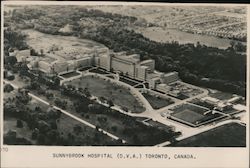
<point x="44" y="41"/>
<point x="130" y="82"/>
<point x="221" y="95"/>
<point x="84" y="69"/>
<point x="200" y="103"/>
<point x="157" y="102"/>
<point x="190" y="107"/>
<point x="158" y="124"/>
<point x="70" y="74"/>
<point x="229" y="135"/>
<point x="99" y="71"/>
<point x="102" y="88"/>
<point x="188" y="116"/>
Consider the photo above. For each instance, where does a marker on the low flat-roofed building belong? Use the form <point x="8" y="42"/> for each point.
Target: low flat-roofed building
<point x="22" y="55"/>
<point x="61" y="67"/>
<point x="44" y="66"/>
<point x="174" y="93"/>
<point x="210" y="100"/>
<point x="234" y="99"/>
<point x="240" y="107"/>
<point x="163" y="87"/>
<point x="224" y="106"/>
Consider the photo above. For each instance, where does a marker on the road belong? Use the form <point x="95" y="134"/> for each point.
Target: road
<point x="70" y="115"/>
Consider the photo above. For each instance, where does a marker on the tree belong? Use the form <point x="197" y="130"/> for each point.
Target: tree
<point x="8" y="88"/>
<point x="53" y="136"/>
<point x="61" y="103"/>
<point x="110" y="103"/>
<point x="41" y="139"/>
<point x="77" y="129"/>
<point x="19" y="124"/>
<point x="114" y="128"/>
<point x="34" y="134"/>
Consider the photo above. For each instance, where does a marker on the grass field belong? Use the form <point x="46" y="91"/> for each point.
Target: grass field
<point x="158" y="124"/>
<point x="229" y="135"/>
<point x="190" y="107"/>
<point x="102" y="88"/>
<point x="188" y="116"/>
<point x="44" y="41"/>
<point x="157" y="102"/>
<point x="221" y="95"/>
<point x="192" y="115"/>
<point x="167" y="35"/>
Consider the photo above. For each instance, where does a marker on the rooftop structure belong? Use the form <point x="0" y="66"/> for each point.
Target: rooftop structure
<point x="210" y="100"/>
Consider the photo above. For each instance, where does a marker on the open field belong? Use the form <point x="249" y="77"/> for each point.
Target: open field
<point x="160" y="34"/>
<point x="102" y="88"/>
<point x="157" y="102"/>
<point x="229" y="135"/>
<point x="38" y="41"/>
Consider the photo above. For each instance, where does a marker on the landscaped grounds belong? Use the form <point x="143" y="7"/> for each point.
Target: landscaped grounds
<point x="104" y="88"/>
<point x="157" y="102"/>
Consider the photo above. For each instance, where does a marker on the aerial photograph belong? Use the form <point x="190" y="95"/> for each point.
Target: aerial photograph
<point x="124" y="75"/>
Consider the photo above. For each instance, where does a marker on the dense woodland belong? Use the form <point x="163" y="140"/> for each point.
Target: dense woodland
<point x="197" y="64"/>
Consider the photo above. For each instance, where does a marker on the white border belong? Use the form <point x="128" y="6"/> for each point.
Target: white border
<point x="41" y="156"/>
